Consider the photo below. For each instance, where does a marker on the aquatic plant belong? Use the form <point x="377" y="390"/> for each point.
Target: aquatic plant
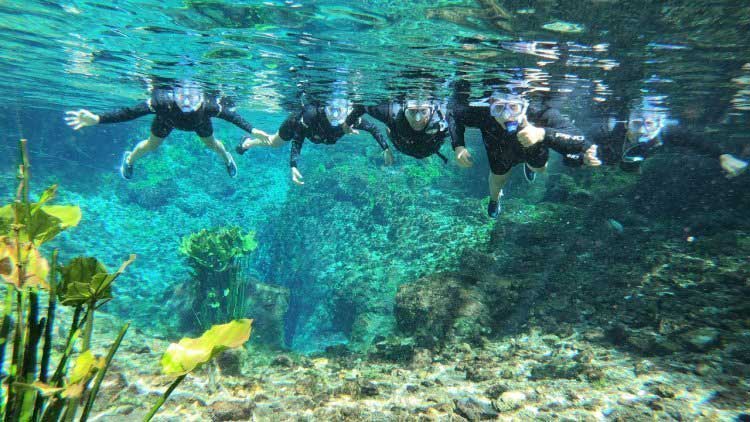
<point x="191" y="353"/>
<point x="29" y="393"/>
<point x="218" y="285"/>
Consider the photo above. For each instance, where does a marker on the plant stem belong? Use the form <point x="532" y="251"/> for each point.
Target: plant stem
<point x="164" y="397"/>
<point x="28" y="368"/>
<point x="102" y="372"/>
<point x="72" y="336"/>
<point x="48" y="329"/>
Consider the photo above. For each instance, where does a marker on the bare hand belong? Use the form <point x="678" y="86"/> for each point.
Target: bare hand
<point x="530" y="135"/>
<point x="349" y="130"/>
<point x="297" y="177"/>
<point x="81" y="118"/>
<point x="262" y="136"/>
<point x="388" y="157"/>
<point x="463" y="157"/>
<point x="589" y="157"/>
<point x="732" y="165"/>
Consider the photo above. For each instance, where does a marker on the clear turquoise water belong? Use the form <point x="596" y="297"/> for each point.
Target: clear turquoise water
<point x="56" y="56"/>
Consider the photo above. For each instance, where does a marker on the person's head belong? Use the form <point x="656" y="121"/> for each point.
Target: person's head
<point x="418" y="113"/>
<point x="508" y="110"/>
<point x="188" y="96"/>
<point x="645" y="123"/>
<point x="337" y="110"/>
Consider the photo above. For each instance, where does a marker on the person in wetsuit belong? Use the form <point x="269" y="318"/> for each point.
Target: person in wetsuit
<point x="184" y="107"/>
<point x="416" y="127"/>
<point x="510" y="138"/>
<point x="319" y="124"/>
<point x="629" y="143"/>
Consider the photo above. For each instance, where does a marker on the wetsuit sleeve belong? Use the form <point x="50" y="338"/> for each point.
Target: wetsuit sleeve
<point x="676" y="136"/>
<point x="295" y="151"/>
<point x="456" y="127"/>
<point x="357" y="112"/>
<point x="289" y="127"/>
<point x="561" y="135"/>
<point x="368" y="126"/>
<point x="381" y="112"/>
<point x="126" y="114"/>
<point x="234" y="118"/>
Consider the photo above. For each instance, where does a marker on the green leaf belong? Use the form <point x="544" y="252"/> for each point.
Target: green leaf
<point x="190" y="353"/>
<point x="85" y="279"/>
<point x="68" y="215"/>
<point x="6" y="219"/>
<point x="47" y="196"/>
<point x="84" y="369"/>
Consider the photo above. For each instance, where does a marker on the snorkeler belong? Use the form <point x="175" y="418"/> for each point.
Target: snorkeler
<point x="510" y="138"/>
<point x="628" y="143"/>
<point x="416" y="127"/>
<point x="321" y="125"/>
<point x="184" y="107"/>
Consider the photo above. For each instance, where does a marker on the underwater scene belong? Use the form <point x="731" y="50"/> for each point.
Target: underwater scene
<point x="451" y="210"/>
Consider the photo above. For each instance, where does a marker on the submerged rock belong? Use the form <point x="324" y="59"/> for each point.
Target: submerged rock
<point x="232" y="410"/>
<point x="230" y="362"/>
<point x="267" y="305"/>
<point x="475" y="409"/>
<point x="702" y="339"/>
<point x="445" y="308"/>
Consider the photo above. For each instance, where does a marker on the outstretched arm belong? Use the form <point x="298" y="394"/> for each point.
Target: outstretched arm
<point x="82" y="118"/>
<point x="368" y="126"/>
<point x="234" y="118"/>
<point x="691" y="139"/>
<point x="457" y="128"/>
<point x="380" y="138"/>
<point x="561" y="135"/>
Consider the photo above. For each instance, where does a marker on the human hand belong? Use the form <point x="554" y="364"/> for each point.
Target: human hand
<point x="463" y="157"/>
<point x="349" y="130"/>
<point x="589" y="157"/>
<point x="297" y="177"/>
<point x="80" y="119"/>
<point x="261" y="136"/>
<point x="530" y="135"/>
<point x="388" y="157"/>
<point x="732" y="165"/>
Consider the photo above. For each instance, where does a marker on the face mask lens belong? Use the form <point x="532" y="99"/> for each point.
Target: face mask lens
<point x="496" y="110"/>
<point x="336" y="114"/>
<point x="417" y="113"/>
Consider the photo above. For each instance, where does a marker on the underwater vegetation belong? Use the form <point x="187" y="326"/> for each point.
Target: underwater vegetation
<point x="219" y="285"/>
<point x="31" y="391"/>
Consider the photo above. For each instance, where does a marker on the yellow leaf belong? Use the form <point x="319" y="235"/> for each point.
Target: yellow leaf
<point x="190" y="353"/>
<point x="69" y="215"/>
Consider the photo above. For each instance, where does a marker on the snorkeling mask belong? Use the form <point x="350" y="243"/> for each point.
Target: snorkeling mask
<point x="418" y="113"/>
<point x="188" y="97"/>
<point x="644" y="128"/>
<point x="510" y="109"/>
<point x="337" y="111"/>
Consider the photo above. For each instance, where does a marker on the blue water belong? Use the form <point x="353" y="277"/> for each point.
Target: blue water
<point x="344" y="243"/>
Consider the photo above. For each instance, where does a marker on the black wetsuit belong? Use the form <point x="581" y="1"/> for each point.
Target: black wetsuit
<point x="416" y="143"/>
<point x="311" y="123"/>
<point x="169" y="116"/>
<point x="610" y="139"/>
<point x="503" y="149"/>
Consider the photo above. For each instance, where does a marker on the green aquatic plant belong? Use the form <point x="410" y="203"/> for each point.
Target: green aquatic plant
<point x="191" y="353"/>
<point x="29" y="393"/>
<point x="219" y="285"/>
